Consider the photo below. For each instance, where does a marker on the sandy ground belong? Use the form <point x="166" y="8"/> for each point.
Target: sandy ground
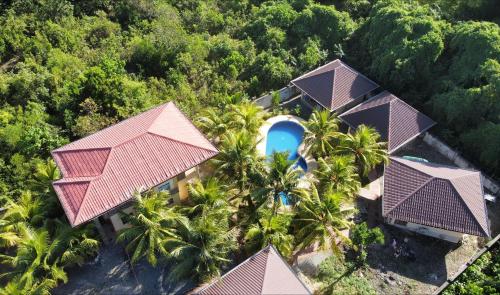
<point x="111" y="274"/>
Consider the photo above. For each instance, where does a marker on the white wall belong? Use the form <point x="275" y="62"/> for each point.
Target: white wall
<point x="439" y="233"/>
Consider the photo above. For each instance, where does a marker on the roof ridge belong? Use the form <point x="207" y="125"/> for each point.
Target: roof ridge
<point x="110" y="126"/>
<point x="83" y="200"/>
<point x="178" y="141"/>
<point x="271" y="247"/>
<point x="320" y="67"/>
<point x="353" y="109"/>
<point x="410" y="194"/>
<point x="389" y="122"/>
<point x="91" y="182"/>
<point x="332" y="98"/>
<point x="485" y="231"/>
<point x="236" y="267"/>
<point x="359" y="73"/>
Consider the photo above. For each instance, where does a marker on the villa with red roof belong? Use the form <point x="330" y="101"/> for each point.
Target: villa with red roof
<point x="159" y="148"/>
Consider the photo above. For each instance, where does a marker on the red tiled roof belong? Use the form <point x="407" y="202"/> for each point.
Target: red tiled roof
<point x="264" y="273"/>
<point x="396" y="121"/>
<point x="102" y="170"/>
<point x="435" y="195"/>
<point x="334" y="85"/>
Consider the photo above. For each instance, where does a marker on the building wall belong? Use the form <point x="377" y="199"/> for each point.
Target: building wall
<point x="177" y="187"/>
<point x="439" y="233"/>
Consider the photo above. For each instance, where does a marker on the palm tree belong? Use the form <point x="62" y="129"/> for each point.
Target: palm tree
<point x="152" y="223"/>
<point x="321" y="133"/>
<point x="45" y="174"/>
<point x="71" y="246"/>
<point x="247" y="116"/>
<point x="26" y="208"/>
<point x="279" y="179"/>
<point x="213" y="122"/>
<point x="202" y="249"/>
<point x="271" y="229"/>
<point x="338" y="173"/>
<point x="238" y="161"/>
<point x="31" y="266"/>
<point x="208" y="196"/>
<point x="321" y="219"/>
<point x="366" y="147"/>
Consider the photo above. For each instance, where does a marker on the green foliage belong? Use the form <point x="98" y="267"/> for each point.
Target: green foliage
<point x="362" y="237"/>
<point x="321" y="135"/>
<point x="339" y="277"/>
<point x="404" y="40"/>
<point x="152" y="224"/>
<point x="481" y="277"/>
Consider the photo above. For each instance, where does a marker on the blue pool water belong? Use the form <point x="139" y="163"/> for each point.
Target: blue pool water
<point x="286" y="136"/>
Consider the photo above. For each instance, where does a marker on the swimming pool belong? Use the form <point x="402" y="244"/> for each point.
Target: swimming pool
<point x="286" y="136"/>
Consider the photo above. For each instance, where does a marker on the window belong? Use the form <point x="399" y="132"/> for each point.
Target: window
<point x="166" y="186"/>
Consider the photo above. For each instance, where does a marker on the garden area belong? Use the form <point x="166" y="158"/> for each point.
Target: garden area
<point x="69" y="68"/>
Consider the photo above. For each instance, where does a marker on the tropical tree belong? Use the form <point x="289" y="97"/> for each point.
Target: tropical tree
<point x="321" y="134"/>
<point x="152" y="224"/>
<point x="247" y="116"/>
<point x="362" y="237"/>
<point x="238" y="161"/>
<point x="71" y="246"/>
<point x="280" y="179"/>
<point x="199" y="251"/>
<point x="366" y="147"/>
<point x="320" y="219"/>
<point x="209" y="196"/>
<point x="338" y="173"/>
<point x="30" y="265"/>
<point x="271" y="229"/>
<point x="213" y="123"/>
<point x="27" y="208"/>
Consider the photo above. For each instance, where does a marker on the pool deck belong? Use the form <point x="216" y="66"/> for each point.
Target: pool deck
<point x="261" y="146"/>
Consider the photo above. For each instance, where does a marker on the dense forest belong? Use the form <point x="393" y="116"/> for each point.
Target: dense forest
<point x="70" y="68"/>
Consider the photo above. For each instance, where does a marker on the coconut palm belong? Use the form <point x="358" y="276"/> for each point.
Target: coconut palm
<point x="280" y="179"/>
<point x="247" y="116"/>
<point x="45" y="174"/>
<point x="152" y="223"/>
<point x="71" y="246"/>
<point x="338" y="173"/>
<point x="31" y="265"/>
<point x="213" y="122"/>
<point x="237" y="161"/>
<point x="366" y="147"/>
<point x="321" y="133"/>
<point x="26" y="208"/>
<point x="271" y="229"/>
<point x="208" y="196"/>
<point x="202" y="249"/>
<point x="320" y="219"/>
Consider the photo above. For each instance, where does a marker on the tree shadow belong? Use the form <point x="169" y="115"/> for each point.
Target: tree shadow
<point x="428" y="264"/>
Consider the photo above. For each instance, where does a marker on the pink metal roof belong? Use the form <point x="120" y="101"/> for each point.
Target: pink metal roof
<point x="435" y="195"/>
<point x="102" y="170"/>
<point x="334" y="85"/>
<point x="395" y="120"/>
<point x="264" y="273"/>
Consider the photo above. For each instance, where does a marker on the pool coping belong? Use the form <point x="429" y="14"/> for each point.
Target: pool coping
<point x="264" y="129"/>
